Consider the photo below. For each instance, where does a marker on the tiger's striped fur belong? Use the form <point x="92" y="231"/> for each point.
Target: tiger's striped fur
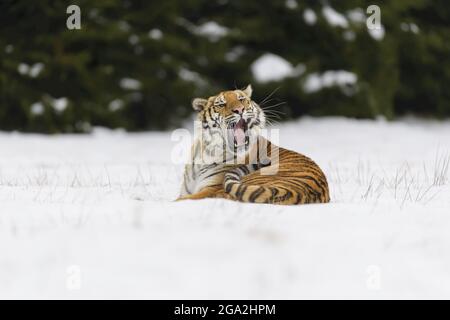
<point x="297" y="180"/>
<point x="269" y="174"/>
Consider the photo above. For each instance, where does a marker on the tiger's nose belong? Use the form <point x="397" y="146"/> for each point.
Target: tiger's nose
<point x="238" y="109"/>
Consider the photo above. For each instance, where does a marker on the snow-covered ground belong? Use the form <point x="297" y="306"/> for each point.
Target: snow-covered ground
<point x="92" y="217"/>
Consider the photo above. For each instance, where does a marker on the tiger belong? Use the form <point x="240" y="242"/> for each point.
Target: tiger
<point x="231" y="125"/>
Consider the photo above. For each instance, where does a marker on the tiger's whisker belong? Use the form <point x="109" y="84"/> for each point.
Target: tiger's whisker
<point x="270" y="95"/>
<point x="273" y="106"/>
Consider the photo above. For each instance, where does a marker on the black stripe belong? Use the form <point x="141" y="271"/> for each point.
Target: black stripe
<point x="214" y="174"/>
<point x="228" y="187"/>
<point x="229" y="175"/>
<point x="298" y="199"/>
<point x="311" y="179"/>
<point x="312" y="168"/>
<point x="241" y="192"/>
<point x="255" y="194"/>
<point x="209" y="113"/>
<point x="303" y="184"/>
<point x="238" y="190"/>
<point x="207" y="167"/>
<point x="323" y="191"/>
<point x="245" y="170"/>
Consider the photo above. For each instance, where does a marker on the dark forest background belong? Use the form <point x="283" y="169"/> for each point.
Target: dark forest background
<point x="138" y="64"/>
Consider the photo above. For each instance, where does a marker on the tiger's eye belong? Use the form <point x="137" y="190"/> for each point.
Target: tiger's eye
<point x="219" y="103"/>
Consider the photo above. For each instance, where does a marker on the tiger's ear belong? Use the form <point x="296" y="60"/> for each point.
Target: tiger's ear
<point x="199" y="104"/>
<point x="248" y="91"/>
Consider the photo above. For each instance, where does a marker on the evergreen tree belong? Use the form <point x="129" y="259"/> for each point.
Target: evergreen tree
<point x="138" y="64"/>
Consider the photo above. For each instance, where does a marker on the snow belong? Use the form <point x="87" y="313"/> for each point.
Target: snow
<point x="155" y="34"/>
<point x="32" y="71"/>
<point x="234" y="54"/>
<point x="212" y="30"/>
<point x="349" y="35"/>
<point x="60" y="104"/>
<point x="9" y="48"/>
<point x="414" y="28"/>
<point x="116" y="105"/>
<point x="271" y="67"/>
<point x="334" y="18"/>
<point x="130" y="84"/>
<point x="133" y="39"/>
<point x="409" y="27"/>
<point x="92" y="216"/>
<point x="315" y="82"/>
<point x="309" y="16"/>
<point x="377" y="33"/>
<point x="291" y="4"/>
<point x="23" y="68"/>
<point x="36" y="69"/>
<point x="37" y="108"/>
<point x="192" y="76"/>
<point x="124" y="26"/>
<point x="357" y="15"/>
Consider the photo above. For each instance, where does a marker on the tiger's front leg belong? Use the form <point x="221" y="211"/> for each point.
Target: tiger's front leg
<point x="208" y="192"/>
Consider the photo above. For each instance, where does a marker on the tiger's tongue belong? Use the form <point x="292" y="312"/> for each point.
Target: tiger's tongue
<point x="239" y="133"/>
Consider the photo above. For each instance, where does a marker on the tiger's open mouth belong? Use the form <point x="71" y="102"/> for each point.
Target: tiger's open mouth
<point x="239" y="132"/>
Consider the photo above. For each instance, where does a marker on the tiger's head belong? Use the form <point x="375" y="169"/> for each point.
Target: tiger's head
<point x="231" y="121"/>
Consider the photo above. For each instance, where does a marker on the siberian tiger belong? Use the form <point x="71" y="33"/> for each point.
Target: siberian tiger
<point x="265" y="173"/>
